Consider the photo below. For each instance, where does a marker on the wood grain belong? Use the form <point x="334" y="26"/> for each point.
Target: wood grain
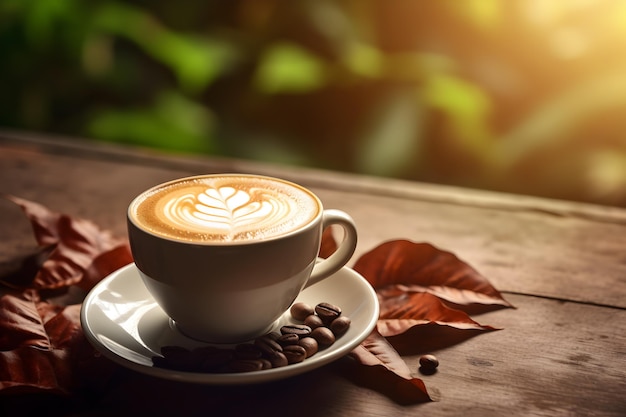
<point x="562" y="352"/>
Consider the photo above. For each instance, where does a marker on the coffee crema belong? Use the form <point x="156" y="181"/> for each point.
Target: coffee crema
<point x="225" y="208"/>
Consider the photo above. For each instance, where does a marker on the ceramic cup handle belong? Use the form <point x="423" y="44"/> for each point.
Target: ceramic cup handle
<point x="344" y="252"/>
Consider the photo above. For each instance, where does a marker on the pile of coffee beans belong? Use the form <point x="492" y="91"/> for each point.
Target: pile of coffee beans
<point x="315" y="328"/>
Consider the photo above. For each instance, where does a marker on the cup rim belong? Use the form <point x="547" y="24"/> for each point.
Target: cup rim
<point x="306" y="227"/>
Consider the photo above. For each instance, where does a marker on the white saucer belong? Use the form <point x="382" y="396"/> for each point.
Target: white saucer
<point x="122" y="320"/>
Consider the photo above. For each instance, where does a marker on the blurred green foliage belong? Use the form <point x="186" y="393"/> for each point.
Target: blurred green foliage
<point x="521" y="96"/>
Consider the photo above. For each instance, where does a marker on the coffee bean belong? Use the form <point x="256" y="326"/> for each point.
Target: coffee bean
<point x="294" y="353"/>
<point x="245" y="365"/>
<point x="327" y="312"/>
<point x="293" y="344"/>
<point x="267" y="344"/>
<point x="340" y="325"/>
<point x="302" y="330"/>
<point x="247" y="351"/>
<point x="300" y="311"/>
<point x="313" y="321"/>
<point x="288" y="339"/>
<point x="266" y="363"/>
<point x="428" y="363"/>
<point x="178" y="358"/>
<point x="216" y="362"/>
<point x="277" y="359"/>
<point x="204" y="350"/>
<point x="273" y="335"/>
<point x="324" y="336"/>
<point x="310" y="345"/>
<point x="211" y="359"/>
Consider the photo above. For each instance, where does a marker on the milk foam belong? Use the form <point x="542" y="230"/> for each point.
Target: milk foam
<point x="225" y="208"/>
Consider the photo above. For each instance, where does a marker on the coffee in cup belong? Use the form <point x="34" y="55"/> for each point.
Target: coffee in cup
<point x="225" y="255"/>
<point x="225" y="209"/>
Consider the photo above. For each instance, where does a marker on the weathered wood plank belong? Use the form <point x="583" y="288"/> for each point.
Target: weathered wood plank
<point x="573" y="253"/>
<point x="552" y="358"/>
<point x="528" y="252"/>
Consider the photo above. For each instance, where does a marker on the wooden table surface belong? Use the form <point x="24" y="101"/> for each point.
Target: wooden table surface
<point x="563" y="265"/>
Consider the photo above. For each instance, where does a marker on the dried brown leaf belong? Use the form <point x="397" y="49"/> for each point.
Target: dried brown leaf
<point x="42" y="347"/>
<point x="20" y="272"/>
<point x="27" y="369"/>
<point x="401" y="266"/>
<point x="381" y="368"/>
<point x="61" y="323"/>
<point x="44" y="366"/>
<point x="329" y="244"/>
<point x="412" y="281"/>
<point x="104" y="264"/>
<point x="421" y="323"/>
<point x="20" y="323"/>
<point x="398" y="314"/>
<point x="78" y="242"/>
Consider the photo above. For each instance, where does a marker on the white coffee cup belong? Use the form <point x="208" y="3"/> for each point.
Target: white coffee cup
<point x="226" y="255"/>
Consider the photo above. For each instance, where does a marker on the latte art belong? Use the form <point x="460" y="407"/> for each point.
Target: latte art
<point x="225" y="208"/>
